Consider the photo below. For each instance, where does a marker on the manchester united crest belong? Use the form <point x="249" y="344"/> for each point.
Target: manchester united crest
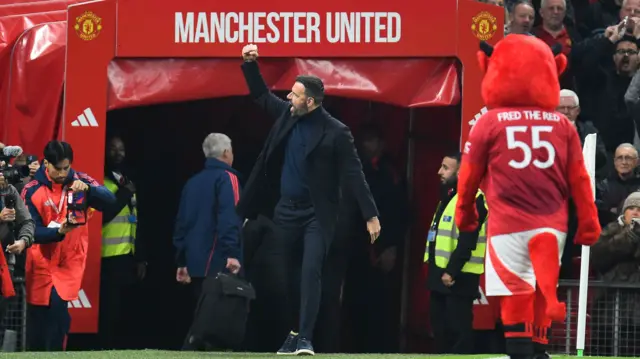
<point x="484" y="26"/>
<point x="88" y="26"/>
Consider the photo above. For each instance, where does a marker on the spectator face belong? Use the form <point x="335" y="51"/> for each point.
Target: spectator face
<point x="569" y="108"/>
<point x="448" y="170"/>
<point x="522" y="18"/>
<point x="630" y="213"/>
<point x="116" y="152"/>
<point x="630" y="8"/>
<point x="626" y="57"/>
<point x="625" y="160"/>
<point x="553" y="13"/>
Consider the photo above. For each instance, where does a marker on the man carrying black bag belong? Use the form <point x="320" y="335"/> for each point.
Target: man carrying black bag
<point x="206" y="236"/>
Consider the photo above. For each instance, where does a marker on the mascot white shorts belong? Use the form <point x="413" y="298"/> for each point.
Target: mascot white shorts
<point x="508" y="263"/>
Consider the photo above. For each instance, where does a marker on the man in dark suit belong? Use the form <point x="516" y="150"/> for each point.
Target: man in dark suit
<point x="296" y="181"/>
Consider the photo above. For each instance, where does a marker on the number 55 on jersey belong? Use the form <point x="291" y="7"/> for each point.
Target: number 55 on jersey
<point x="526" y="155"/>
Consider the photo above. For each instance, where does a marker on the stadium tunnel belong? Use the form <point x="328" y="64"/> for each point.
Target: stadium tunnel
<point x="164" y="108"/>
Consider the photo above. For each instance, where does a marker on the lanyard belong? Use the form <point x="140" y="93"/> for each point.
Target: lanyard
<point x="434" y="225"/>
<point x="63" y="197"/>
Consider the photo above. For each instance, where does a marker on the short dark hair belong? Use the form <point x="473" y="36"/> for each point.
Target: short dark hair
<point x="456" y="155"/>
<point x="627" y="38"/>
<point x="313" y="87"/>
<point x="58" y="151"/>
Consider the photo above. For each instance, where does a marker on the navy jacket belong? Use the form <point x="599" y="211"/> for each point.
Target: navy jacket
<point x="207" y="227"/>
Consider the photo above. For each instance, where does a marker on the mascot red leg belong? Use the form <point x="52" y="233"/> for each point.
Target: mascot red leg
<point x="517" y="319"/>
<point x="545" y="258"/>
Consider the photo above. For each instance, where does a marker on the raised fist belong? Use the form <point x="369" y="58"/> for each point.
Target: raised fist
<point x="250" y="53"/>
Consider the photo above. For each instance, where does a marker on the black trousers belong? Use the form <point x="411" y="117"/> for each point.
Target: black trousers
<point x="48" y="326"/>
<point x="452" y="323"/>
<point x="296" y="224"/>
<point x="266" y="268"/>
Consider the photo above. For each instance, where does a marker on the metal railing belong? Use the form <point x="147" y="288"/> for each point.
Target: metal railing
<point x="613" y="319"/>
<point x="15" y="318"/>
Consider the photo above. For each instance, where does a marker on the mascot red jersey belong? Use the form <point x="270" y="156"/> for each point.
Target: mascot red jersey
<point x="528" y="160"/>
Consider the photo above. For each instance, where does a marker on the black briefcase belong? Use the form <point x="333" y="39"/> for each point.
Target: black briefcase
<point x="222" y="311"/>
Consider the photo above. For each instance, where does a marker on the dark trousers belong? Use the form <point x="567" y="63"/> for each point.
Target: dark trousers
<point x="48" y="326"/>
<point x="452" y="323"/>
<point x="297" y="225"/>
<point x="266" y="267"/>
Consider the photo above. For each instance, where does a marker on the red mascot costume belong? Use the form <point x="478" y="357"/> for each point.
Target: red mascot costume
<point x="528" y="160"/>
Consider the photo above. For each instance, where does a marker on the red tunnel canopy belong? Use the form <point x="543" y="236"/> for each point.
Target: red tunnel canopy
<point x="402" y="82"/>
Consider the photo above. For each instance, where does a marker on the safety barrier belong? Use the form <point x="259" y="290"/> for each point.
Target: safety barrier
<point x="14" y="323"/>
<point x="613" y="320"/>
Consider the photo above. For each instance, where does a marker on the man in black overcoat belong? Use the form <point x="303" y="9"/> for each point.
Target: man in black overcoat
<point x="296" y="181"/>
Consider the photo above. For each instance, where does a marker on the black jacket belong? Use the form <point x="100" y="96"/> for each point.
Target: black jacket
<point x="611" y="193"/>
<point x="331" y="160"/>
<point x="466" y="284"/>
<point x="602" y="93"/>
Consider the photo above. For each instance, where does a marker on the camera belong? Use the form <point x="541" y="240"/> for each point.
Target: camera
<point x="14" y="174"/>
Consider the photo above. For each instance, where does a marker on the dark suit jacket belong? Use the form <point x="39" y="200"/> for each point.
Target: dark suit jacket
<point x="331" y="158"/>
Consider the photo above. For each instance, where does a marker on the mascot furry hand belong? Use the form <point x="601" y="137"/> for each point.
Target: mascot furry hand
<point x="528" y="159"/>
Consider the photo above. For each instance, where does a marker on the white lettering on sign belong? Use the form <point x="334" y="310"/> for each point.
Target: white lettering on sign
<point x="532" y="115"/>
<point x="287" y="27"/>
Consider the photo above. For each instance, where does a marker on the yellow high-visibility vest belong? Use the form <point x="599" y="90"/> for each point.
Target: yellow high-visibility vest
<point x="119" y="235"/>
<point x="446" y="240"/>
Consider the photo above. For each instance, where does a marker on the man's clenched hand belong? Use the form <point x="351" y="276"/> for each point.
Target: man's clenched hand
<point x="250" y="53"/>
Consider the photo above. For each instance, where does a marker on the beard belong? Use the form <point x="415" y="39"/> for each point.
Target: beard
<point x="296" y="111"/>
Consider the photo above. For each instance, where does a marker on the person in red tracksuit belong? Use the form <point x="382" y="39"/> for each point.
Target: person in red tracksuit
<point x="56" y="261"/>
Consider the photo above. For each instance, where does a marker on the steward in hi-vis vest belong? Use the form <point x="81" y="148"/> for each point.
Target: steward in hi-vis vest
<point x="455" y="262"/>
<point x="446" y="241"/>
<point x="123" y="256"/>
